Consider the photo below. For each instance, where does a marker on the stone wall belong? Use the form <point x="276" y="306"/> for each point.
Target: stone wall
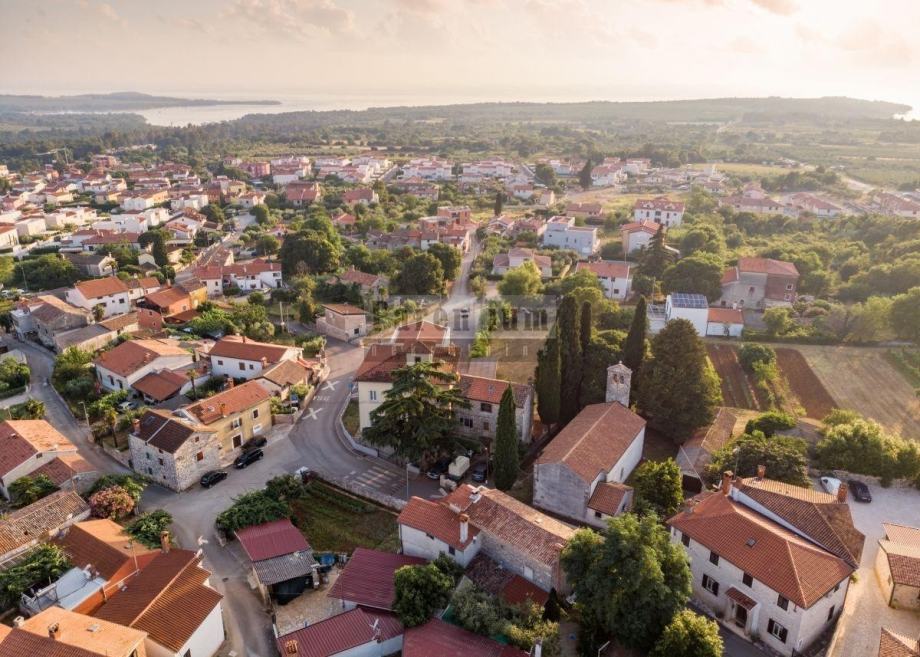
<point x="556" y="488"/>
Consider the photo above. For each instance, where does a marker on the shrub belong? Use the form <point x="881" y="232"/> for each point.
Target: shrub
<point x="420" y="590"/>
<point x="148" y="527"/>
<point x="252" y="508"/>
<point x="785" y="458"/>
<point x="131" y="483"/>
<point x="113" y="503"/>
<point x="689" y="635"/>
<point x="863" y="448"/>
<point x="771" y="422"/>
<point x="45" y="563"/>
<point x="29" y="489"/>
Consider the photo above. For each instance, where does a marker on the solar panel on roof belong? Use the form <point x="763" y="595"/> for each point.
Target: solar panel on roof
<point x="687" y="300"/>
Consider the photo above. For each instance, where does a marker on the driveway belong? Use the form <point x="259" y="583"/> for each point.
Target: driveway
<point x="866" y="611"/>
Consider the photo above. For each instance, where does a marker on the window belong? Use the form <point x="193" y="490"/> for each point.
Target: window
<point x="199" y="456"/>
<point x="220" y="362"/>
<point x="748" y="580"/>
<point x="111" y="380"/>
<point x="782" y="603"/>
<point x="714" y="558"/>
<point x="429" y="536"/>
<point x="485" y="407"/>
<point x="255" y="413"/>
<point x="237" y="440"/>
<point x="710" y="585"/>
<point x="486" y="426"/>
<point x="789" y="286"/>
<point x="257" y="428"/>
<point x="372" y="395"/>
<point x="160" y="461"/>
<point x="598" y="514"/>
<point x="777" y="630"/>
<point x="685" y="540"/>
<point x="243" y="366"/>
<point x="251" y="366"/>
<point x="830" y="613"/>
<point x="467" y="422"/>
<point x="451" y="550"/>
<point x="528" y="573"/>
<point x="235" y="424"/>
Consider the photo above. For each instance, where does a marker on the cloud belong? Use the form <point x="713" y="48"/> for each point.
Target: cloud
<point x="870" y="44"/>
<point x="781" y="7"/>
<point x="297" y="19"/>
<point x="102" y="10"/>
<point x="744" y="46"/>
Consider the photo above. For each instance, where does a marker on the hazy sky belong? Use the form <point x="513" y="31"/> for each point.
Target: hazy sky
<point x="446" y="49"/>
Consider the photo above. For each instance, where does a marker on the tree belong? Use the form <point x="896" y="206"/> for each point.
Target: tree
<point x="751" y="354"/>
<point x="26" y="490"/>
<point x="261" y="213"/>
<point x="585" y="326"/>
<point x="659" y="487"/>
<point x="267" y="245"/>
<point x="629" y="580"/>
<point x="113" y="503"/>
<point x="420" y="591"/>
<point x="129" y="482"/>
<point x="499" y="204"/>
<point x="421" y="273"/>
<point x="507" y="465"/>
<point x="604" y="350"/>
<point x="699" y="274"/>
<point x="309" y="251"/>
<point x="863" y="447"/>
<point x="44" y="564"/>
<point x="252" y="508"/>
<point x="702" y="238"/>
<point x="545" y="174"/>
<point x="777" y="320"/>
<point x="678" y="388"/>
<point x="417" y="415"/>
<point x="771" y="422"/>
<point x="548" y="383"/>
<point x="785" y="458"/>
<point x="148" y="527"/>
<point x="449" y="257"/>
<point x="98" y="312"/>
<point x="157" y="238"/>
<point x="477" y="611"/>
<point x="522" y="281"/>
<point x="655" y="259"/>
<point x="584" y="176"/>
<point x="689" y="635"/>
<point x="904" y="315"/>
<point x="634" y="348"/>
<point x="570" y="359"/>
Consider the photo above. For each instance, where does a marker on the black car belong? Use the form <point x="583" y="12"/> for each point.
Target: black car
<point x="254" y="443"/>
<point x="478" y="472"/>
<point x="860" y="491"/>
<point x="439" y="468"/>
<point x="248" y="458"/>
<point x="208" y="479"/>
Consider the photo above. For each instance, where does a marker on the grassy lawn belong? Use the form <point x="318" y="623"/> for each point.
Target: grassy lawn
<point x="745" y="169"/>
<point x="350" y="418"/>
<point x="334" y="521"/>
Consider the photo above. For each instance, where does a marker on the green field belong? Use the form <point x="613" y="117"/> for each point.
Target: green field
<point x="335" y="522"/>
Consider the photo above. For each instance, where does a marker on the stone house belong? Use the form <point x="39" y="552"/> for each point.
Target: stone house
<point x="96" y="336"/>
<point x="759" y="283"/>
<point x="93" y="264"/>
<point x="469" y="520"/>
<point x="45" y="317"/>
<point x="172" y="451"/>
<point x="897" y="566"/>
<point x="581" y="472"/>
<point x="234" y="415"/>
<point x="342" y="321"/>
<point x="485" y="395"/>
<point x="372" y="285"/>
<point x="516" y="257"/>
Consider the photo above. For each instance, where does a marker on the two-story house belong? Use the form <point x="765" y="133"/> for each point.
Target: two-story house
<point x="774" y="560"/>
<point x="111" y="294"/>
<point x="372" y="285"/>
<point x="171" y="450"/>
<point x="469" y="520"/>
<point x="661" y="210"/>
<point x="562" y="233"/>
<point x="516" y="257"/>
<point x="120" y="367"/>
<point x="484" y="396"/>
<point x="34" y="447"/>
<point x="636" y="236"/>
<point x="614" y="276"/>
<point x="342" y="321"/>
<point x="234" y="415"/>
<point x="238" y="357"/>
<point x="759" y="283"/>
<point x="581" y="473"/>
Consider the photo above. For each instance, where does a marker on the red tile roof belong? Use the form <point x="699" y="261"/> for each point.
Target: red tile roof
<point x="62" y="469"/>
<point x="902" y="548"/>
<point x="607" y="497"/>
<point x="101" y="543"/>
<point x="725" y="316"/>
<point x="436" y="519"/>
<point x="243" y="348"/>
<point x="344" y="309"/>
<point x="131" y="355"/>
<point x="441" y="639"/>
<point x="21" y="440"/>
<point x="767" y="266"/>
<point x="606" y="268"/>
<point x="236" y="399"/>
<point x="367" y="579"/>
<point x="22" y="526"/>
<point x="101" y="287"/>
<point x="161" y="385"/>
<point x="594" y="441"/>
<point x="359" y="277"/>
<point x="892" y="644"/>
<point x="796" y="568"/>
<point x="421" y="331"/>
<point x="271" y="539"/>
<point x="646" y="226"/>
<point x="483" y="389"/>
<point x="340" y="633"/>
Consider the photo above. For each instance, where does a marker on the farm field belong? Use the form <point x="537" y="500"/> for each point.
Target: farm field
<point x="861" y="379"/>
<point x="736" y="390"/>
<point x="805" y="385"/>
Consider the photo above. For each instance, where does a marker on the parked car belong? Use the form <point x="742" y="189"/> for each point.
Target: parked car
<point x="830" y="484"/>
<point x="440" y="467"/>
<point x="248" y="458"/>
<point x="208" y="479"/>
<point x="126" y="406"/>
<point x="479" y="471"/>
<point x="255" y="442"/>
<point x="860" y="490"/>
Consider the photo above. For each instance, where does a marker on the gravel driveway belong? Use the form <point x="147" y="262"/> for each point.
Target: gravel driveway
<point x="866" y="610"/>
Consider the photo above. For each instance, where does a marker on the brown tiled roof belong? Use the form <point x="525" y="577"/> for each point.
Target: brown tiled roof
<point x="435" y="519"/>
<point x="741" y="598"/>
<point x="595" y="440"/>
<point x="437" y="637"/>
<point x="63" y="468"/>
<point x="167" y="297"/>
<point x="421" y="331"/>
<point x="367" y="579"/>
<point x="78" y="634"/>
<point x="271" y="539"/>
<point x="24" y="525"/>
<point x="646" y="226"/>
<point x="605" y="268"/>
<point x="480" y="388"/>
<point x="163" y="431"/>
<point x="344" y="309"/>
<point x="892" y="644"/>
<point x="119" y="321"/>
<point x="381" y="360"/>
<point x="496" y="580"/>
<point x="15" y="642"/>
<point x="708" y="440"/>
<point x="235" y="400"/>
<point x="243" y="348"/>
<point x="359" y="277"/>
<point x="767" y="266"/>
<point x="813" y="513"/>
<point x="286" y="373"/>
<point x="160" y="385"/>
<point x="101" y="543"/>
<point x="607" y="497"/>
<point x="338" y="634"/>
<point x="902" y="534"/>
<point x="21" y="440"/>
<point x="790" y="565"/>
<point x="168" y="599"/>
<point x="101" y="287"/>
<point x="131" y="355"/>
<point x="902" y="548"/>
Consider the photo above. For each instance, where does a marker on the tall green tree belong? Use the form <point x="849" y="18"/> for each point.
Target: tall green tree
<point x="678" y="388"/>
<point x="634" y="348"/>
<point x="904" y="315"/>
<point x="548" y="381"/>
<point x="522" y="281"/>
<point x="309" y="251"/>
<point x="584" y="176"/>
<point x="655" y="259"/>
<point x="785" y="457"/>
<point x="449" y="257"/>
<point x="420" y="591"/>
<point x="570" y="358"/>
<point x="261" y="213"/>
<point x="507" y="465"/>
<point x="629" y="580"/>
<point x="689" y="635"/>
<point x="499" y="203"/>
<point x="417" y="416"/>
<point x="659" y="487"/>
<point x="421" y="273"/>
<point x="585" y="326"/>
<point x="699" y="274"/>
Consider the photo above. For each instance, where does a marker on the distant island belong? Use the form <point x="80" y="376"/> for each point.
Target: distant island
<point x="112" y="102"/>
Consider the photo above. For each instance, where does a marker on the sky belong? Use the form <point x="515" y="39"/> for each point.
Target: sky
<point x="445" y="50"/>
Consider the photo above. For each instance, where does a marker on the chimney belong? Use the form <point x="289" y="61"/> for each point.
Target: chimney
<point x="842" y="493"/>
<point x="223" y="409"/>
<point x="727" y="482"/>
<point x="230" y="383"/>
<point x="761" y="472"/>
<point x="19" y="621"/>
<point x="136" y="426"/>
<point x="290" y="648"/>
<point x="164" y="541"/>
<point x="54" y="631"/>
<point x="464" y="527"/>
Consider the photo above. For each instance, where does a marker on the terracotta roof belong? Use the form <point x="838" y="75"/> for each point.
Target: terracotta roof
<point x="344" y="309"/>
<point x="167" y="297"/>
<point x="607" y="497"/>
<point x="892" y="644"/>
<point x="21" y="440"/>
<point x="479" y="388"/>
<point x="287" y="373"/>
<point x="790" y="565"/>
<point x="437" y="637"/>
<point x="168" y="599"/>
<point x="767" y="266"/>
<point x="340" y="633"/>
<point x="241" y="348"/>
<point x="595" y="440"/>
<point x="359" y="277"/>
<point x="101" y="543"/>
<point x="51" y="308"/>
<point x="497" y="580"/>
<point x="435" y="519"/>
<point x="119" y="321"/>
<point x="367" y="579"/>
<point x="725" y="316"/>
<point x="606" y="268"/>
<point x="708" y="440"/>
<point x="271" y="539"/>
<point x="162" y="430"/>
<point x="143" y="283"/>
<point x="902" y="548"/>
<point x="101" y="287"/>
<point x="647" y="226"/>
<point x="235" y="400"/>
<point x="741" y="598"/>
<point x="24" y="525"/>
<point x="131" y="355"/>
<point x="421" y="331"/>
<point x="62" y="469"/>
<point x="257" y="266"/>
<point x="15" y="642"/>
<point x="814" y="514"/>
<point x="903" y="534"/>
<point x="160" y="385"/>
<point x="381" y="360"/>
<point x="78" y="635"/>
<point x="660" y="203"/>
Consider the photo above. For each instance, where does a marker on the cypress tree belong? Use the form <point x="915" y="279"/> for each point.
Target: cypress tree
<point x="548" y="381"/>
<point x="507" y="465"/>
<point x="499" y="203"/>
<point x="570" y="358"/>
<point x="584" y="176"/>
<point x="584" y="335"/>
<point x="634" y="347"/>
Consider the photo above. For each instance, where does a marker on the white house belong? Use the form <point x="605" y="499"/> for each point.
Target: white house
<point x="122" y="366"/>
<point x="681" y="305"/>
<point x="111" y="293"/>
<point x="562" y="232"/>
<point x="660" y="210"/>
<point x="637" y="235"/>
<point x="9" y="236"/>
<point x="516" y="257"/>
<point x="241" y="358"/>
<point x="614" y="276"/>
<point x="725" y="322"/>
<point x="29" y="446"/>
